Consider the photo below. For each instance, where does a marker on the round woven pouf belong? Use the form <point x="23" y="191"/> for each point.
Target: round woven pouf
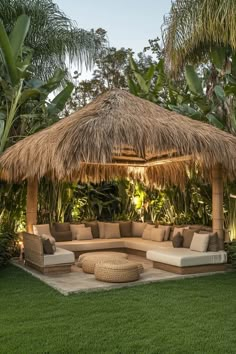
<point x="101" y="254"/>
<point x="89" y="262"/>
<point x="117" y="271"/>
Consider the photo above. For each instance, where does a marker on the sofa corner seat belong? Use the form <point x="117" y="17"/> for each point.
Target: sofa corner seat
<point x="186" y="261"/>
<point x="59" y="262"/>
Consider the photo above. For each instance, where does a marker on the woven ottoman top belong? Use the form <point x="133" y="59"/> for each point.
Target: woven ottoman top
<point x="88" y="262"/>
<point x="117" y="271"/>
<point x="100" y="254"/>
<point x="118" y="264"/>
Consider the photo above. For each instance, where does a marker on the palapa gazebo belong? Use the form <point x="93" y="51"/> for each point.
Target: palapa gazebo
<point x="120" y="135"/>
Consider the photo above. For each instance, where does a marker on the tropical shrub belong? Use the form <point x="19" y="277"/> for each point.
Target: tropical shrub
<point x="9" y="247"/>
<point x="231" y="251"/>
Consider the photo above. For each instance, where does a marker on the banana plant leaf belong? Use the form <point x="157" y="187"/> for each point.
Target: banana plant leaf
<point x="215" y="121"/>
<point x="193" y="81"/>
<point x="58" y="103"/>
<point x="8" y="55"/>
<point x="18" y="34"/>
<point x="219" y="91"/>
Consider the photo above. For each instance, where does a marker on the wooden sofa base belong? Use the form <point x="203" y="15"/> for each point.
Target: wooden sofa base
<point x="190" y="270"/>
<point x="53" y="269"/>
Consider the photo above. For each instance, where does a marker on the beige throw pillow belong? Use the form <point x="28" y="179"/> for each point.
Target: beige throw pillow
<point x="84" y="233"/>
<point x="75" y="228"/>
<point x="199" y="242"/>
<point x="147" y="232"/>
<point x="167" y="231"/>
<point x="138" y="228"/>
<point x="111" y="230"/>
<point x="101" y="229"/>
<point x="157" y="234"/>
<point x="41" y="229"/>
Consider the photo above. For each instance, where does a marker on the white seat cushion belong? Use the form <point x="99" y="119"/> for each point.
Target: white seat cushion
<point x="61" y="256"/>
<point x="90" y="245"/>
<point x="184" y="257"/>
<point x="136" y="243"/>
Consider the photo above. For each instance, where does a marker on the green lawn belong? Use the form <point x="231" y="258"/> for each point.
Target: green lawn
<point x="186" y="316"/>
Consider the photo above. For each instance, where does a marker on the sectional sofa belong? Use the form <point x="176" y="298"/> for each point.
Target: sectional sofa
<point x="130" y="237"/>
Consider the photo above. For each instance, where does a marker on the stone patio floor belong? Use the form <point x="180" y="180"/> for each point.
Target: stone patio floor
<point x="77" y="281"/>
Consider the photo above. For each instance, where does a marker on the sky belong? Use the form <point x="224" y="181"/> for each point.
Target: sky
<point x="129" y="23"/>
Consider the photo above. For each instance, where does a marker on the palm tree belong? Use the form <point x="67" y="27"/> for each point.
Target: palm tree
<point x="194" y="28"/>
<point x="53" y="37"/>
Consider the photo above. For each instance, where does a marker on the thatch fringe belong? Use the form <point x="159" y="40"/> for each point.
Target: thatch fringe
<point x="82" y="146"/>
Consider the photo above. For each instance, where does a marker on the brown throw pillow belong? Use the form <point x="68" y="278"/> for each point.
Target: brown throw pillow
<point x="213" y="245"/>
<point x="63" y="236"/>
<point x="94" y="228"/>
<point x="178" y="240"/>
<point x="47" y="246"/>
<point x="188" y="236"/>
<point x="125" y="228"/>
<point x="52" y="241"/>
<point x="62" y="227"/>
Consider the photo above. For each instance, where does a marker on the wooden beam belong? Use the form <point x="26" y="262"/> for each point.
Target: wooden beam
<point x="217" y="203"/>
<point x="168" y="160"/>
<point x="128" y="163"/>
<point x="130" y="158"/>
<point x="31" y="203"/>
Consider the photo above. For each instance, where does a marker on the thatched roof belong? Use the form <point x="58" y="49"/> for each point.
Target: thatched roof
<point x="120" y="135"/>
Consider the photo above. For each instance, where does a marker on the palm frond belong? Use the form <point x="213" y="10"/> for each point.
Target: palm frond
<point x="193" y="27"/>
<point x="53" y="37"/>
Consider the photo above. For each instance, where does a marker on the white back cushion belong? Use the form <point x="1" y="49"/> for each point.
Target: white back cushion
<point x="111" y="230"/>
<point x="42" y="229"/>
<point x="138" y="228"/>
<point x="167" y="231"/>
<point x="179" y="230"/>
<point x="101" y="229"/>
<point x="147" y="232"/>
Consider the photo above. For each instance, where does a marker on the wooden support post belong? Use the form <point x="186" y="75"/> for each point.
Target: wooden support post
<point x="31" y="203"/>
<point x="217" y="203"/>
